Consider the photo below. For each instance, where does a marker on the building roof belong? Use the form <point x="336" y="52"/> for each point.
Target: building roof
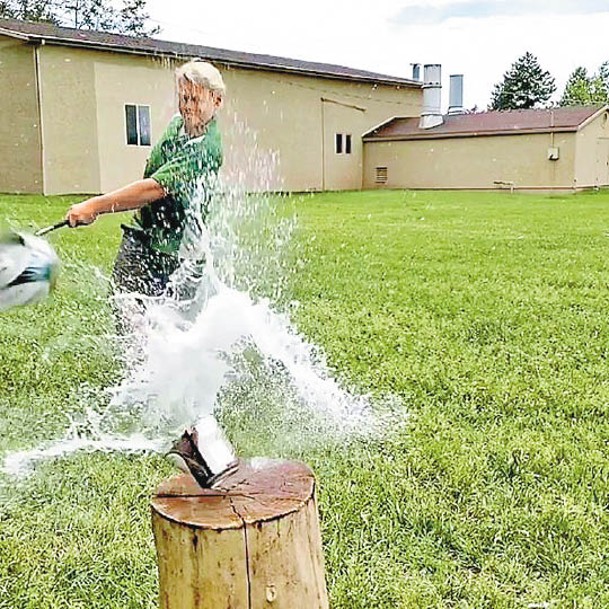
<point x="509" y="122"/>
<point x="52" y="34"/>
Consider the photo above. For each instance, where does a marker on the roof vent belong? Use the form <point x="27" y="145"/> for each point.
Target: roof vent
<point x="455" y="94"/>
<point x="431" y="116"/>
<point x="381" y="175"/>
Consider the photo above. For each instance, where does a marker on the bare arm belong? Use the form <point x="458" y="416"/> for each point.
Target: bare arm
<point x="133" y="196"/>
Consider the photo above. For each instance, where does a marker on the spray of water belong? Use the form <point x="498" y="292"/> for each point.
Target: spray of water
<point x="225" y="349"/>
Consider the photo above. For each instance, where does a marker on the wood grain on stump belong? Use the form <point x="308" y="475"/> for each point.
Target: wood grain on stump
<point x="252" y="542"/>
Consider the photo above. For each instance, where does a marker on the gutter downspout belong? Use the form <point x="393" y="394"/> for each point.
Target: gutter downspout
<point x="552" y="145"/>
<point x="323" y="146"/>
<point x="39" y="104"/>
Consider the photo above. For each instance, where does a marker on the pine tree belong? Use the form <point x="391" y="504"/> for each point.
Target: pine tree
<point x="603" y="74"/>
<point x="584" y="90"/>
<point x="524" y="85"/>
<point x="103" y="15"/>
<point x="29" y="10"/>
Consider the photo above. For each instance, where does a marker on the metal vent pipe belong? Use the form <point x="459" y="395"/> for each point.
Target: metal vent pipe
<point x="455" y="94"/>
<point x="431" y="116"/>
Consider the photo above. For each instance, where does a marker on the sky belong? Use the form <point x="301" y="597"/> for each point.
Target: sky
<point x="479" y="39"/>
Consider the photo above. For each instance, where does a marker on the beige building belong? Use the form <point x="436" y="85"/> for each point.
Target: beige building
<point x="80" y="109"/>
<point x="553" y="149"/>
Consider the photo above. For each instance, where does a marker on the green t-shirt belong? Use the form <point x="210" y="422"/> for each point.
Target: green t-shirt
<point x="187" y="169"/>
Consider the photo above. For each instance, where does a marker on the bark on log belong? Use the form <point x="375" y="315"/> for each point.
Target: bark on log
<point x="253" y="542"/>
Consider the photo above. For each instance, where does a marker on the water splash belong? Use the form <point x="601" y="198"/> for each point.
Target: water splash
<point x="21" y="463"/>
<point x="225" y="349"/>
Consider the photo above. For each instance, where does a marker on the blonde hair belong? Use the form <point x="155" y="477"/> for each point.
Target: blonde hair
<point x="202" y="73"/>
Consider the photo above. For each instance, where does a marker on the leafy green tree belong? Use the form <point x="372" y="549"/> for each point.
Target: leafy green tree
<point x="583" y="89"/>
<point x="524" y="85"/>
<point x="104" y="15"/>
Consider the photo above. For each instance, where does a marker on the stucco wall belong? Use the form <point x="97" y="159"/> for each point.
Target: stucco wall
<point x="120" y="80"/>
<point x="20" y="153"/>
<point x="342" y="171"/>
<point x="269" y="119"/>
<point x="69" y="121"/>
<point x="287" y="114"/>
<point x="592" y="162"/>
<point x="474" y="162"/>
<point x="84" y="95"/>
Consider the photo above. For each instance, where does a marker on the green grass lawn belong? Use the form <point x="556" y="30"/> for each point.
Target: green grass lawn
<point x="487" y="314"/>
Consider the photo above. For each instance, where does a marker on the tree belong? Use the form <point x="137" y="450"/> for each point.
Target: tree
<point x="524" y="85"/>
<point x="29" y="10"/>
<point x="104" y="15"/>
<point x="603" y="74"/>
<point x="585" y="90"/>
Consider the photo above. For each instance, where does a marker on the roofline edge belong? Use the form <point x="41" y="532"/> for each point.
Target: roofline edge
<point x="593" y="116"/>
<point x="13" y="34"/>
<point x="443" y="136"/>
<point x="100" y="46"/>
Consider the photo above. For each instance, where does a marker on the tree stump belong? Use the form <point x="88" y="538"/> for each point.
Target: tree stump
<point x="252" y="542"/>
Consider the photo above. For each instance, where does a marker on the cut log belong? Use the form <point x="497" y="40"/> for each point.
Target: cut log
<point x="252" y="542"/>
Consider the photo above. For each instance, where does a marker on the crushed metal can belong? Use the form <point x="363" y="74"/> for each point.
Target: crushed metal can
<point x="205" y="452"/>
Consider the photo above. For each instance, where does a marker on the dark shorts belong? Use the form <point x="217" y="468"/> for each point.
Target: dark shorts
<point x="139" y="268"/>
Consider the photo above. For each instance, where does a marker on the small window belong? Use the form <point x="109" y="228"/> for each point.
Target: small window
<point x="137" y="122"/>
<point x="143" y="115"/>
<point x="381" y="175"/>
<point x="131" y="121"/>
<point x="339" y="143"/>
<point x="343" y="143"/>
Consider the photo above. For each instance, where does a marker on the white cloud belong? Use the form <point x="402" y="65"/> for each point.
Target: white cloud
<point x="438" y="12"/>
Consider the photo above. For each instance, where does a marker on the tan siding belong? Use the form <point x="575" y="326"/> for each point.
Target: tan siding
<point x="278" y="116"/>
<point x="592" y="166"/>
<point x="266" y="116"/>
<point x="475" y="162"/>
<point x="284" y="112"/>
<point x="19" y="121"/>
<point x="71" y="161"/>
<point x="124" y="80"/>
<point x="342" y="171"/>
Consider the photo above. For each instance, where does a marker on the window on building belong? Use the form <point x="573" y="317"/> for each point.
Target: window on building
<point x="137" y="123"/>
<point x="343" y="143"/>
<point x="339" y="143"/>
<point x="143" y="115"/>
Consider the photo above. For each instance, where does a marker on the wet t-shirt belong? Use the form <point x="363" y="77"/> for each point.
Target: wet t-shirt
<point x="187" y="169"/>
